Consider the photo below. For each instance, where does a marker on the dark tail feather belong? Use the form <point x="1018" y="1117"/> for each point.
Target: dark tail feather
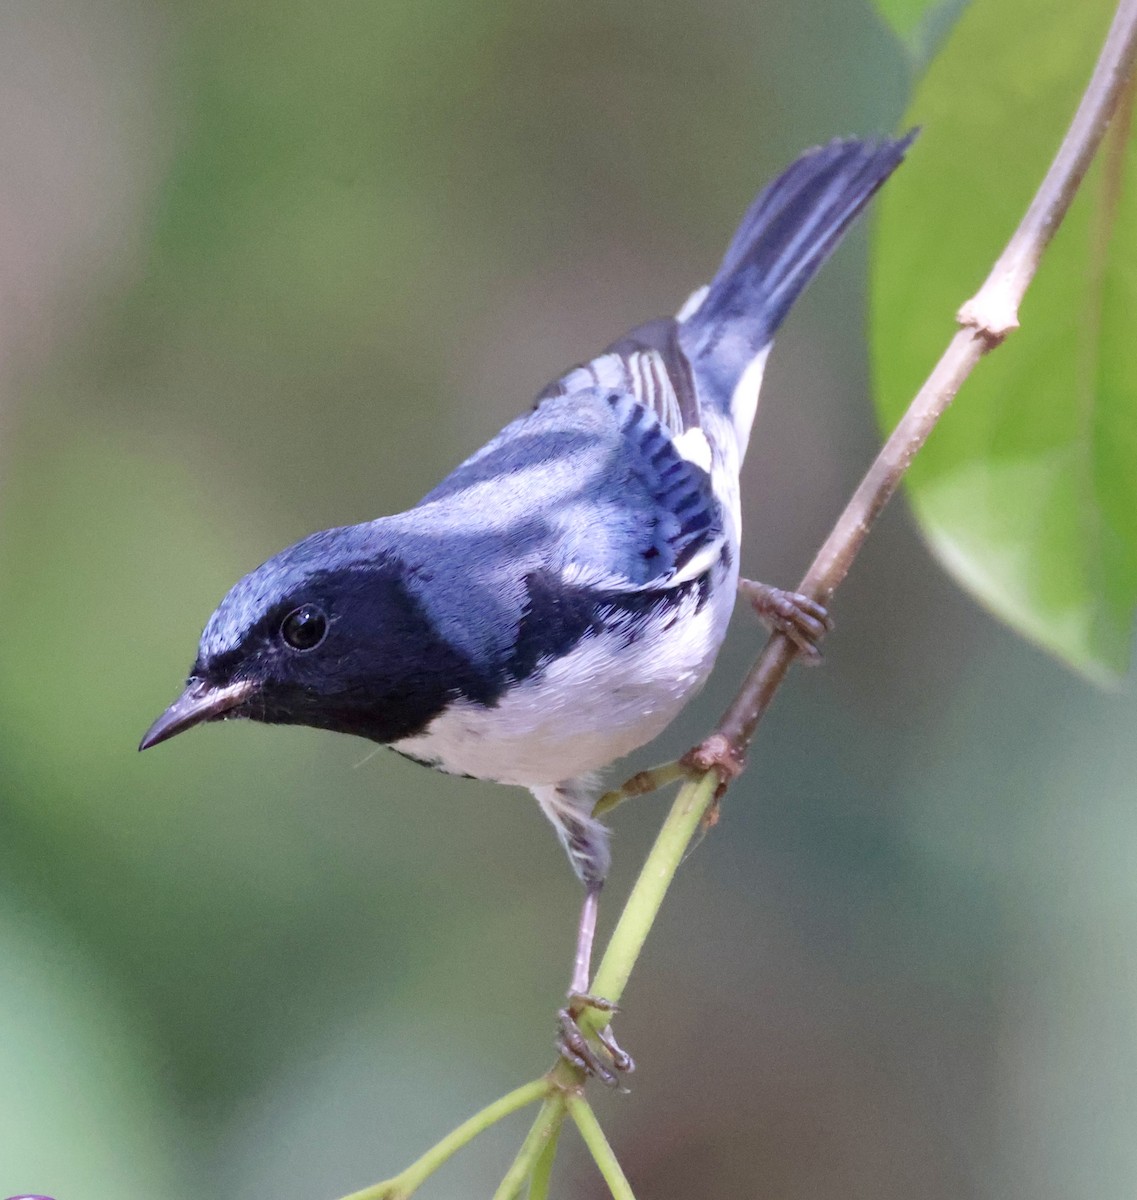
<point x="789" y="231"/>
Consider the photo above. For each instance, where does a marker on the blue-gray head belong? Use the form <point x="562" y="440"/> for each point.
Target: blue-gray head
<point x="329" y="634"/>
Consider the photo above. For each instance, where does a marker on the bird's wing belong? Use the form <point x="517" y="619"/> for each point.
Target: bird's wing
<point x="665" y="520"/>
<point x="590" y="485"/>
<point x="583" y="504"/>
<point x="646" y="364"/>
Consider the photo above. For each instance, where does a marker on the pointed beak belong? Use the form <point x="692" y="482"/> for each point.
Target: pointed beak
<point x="199" y="702"/>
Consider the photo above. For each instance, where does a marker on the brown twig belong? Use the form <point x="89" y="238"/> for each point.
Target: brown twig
<point x="986" y="318"/>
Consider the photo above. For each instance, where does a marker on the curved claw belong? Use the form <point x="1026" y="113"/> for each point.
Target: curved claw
<point x="622" y="1061"/>
<point x="579" y="1001"/>
<point x="794" y="615"/>
<point x="606" y="1063"/>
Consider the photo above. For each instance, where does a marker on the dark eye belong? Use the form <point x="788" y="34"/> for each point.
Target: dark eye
<point x="304" y="628"/>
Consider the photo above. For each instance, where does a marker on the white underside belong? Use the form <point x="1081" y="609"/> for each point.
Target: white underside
<point x="585" y="710"/>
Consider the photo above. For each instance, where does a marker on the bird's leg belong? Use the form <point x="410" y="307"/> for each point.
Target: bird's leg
<point x="585" y="935"/>
<point x="572" y="1042"/>
<point x="585" y="839"/>
<point x="798" y="617"/>
<point x="608" y="1061"/>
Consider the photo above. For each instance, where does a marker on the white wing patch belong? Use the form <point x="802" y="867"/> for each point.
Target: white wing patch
<point x="695" y="448"/>
<point x="698" y="564"/>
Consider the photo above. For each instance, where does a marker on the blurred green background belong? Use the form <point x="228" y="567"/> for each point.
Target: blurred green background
<point x="271" y="266"/>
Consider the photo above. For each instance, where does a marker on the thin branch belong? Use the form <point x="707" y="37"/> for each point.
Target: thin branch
<point x="544" y="1130"/>
<point x="650" y="888"/>
<point x="581" y="1112"/>
<point x="408" y="1181"/>
<point x="994" y="309"/>
<point x="987" y="318"/>
<point x="543" y="1168"/>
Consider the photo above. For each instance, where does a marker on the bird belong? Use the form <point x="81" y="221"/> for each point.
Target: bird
<point x="556" y="601"/>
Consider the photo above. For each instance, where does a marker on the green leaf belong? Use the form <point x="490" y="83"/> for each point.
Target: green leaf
<point x="1027" y="490"/>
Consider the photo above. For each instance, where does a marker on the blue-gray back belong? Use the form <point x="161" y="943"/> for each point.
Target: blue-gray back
<point x="587" y="491"/>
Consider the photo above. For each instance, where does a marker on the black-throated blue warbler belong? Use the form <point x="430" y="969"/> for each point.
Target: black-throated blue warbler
<point x="555" y="602"/>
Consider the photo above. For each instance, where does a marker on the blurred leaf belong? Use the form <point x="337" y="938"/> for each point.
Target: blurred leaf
<point x="1027" y="491"/>
<point x="906" y="16"/>
<point x="80" y="1114"/>
<point x="920" y="23"/>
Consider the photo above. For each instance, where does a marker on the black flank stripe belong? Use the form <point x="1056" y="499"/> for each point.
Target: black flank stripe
<point x="556" y="618"/>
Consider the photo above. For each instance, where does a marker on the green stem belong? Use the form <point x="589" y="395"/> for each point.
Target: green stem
<point x="543" y="1168"/>
<point x="642" y="907"/>
<point x="642" y="784"/>
<point x="651" y="886"/>
<point x="406" y="1182"/>
<point x="545" y="1128"/>
<point x="598" y="1147"/>
<point x="535" y="1158"/>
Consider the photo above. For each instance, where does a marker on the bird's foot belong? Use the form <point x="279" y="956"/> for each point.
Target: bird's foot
<point x="642" y="784"/>
<point x="715" y="753"/>
<point x="796" y="616"/>
<point x="607" y="1062"/>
